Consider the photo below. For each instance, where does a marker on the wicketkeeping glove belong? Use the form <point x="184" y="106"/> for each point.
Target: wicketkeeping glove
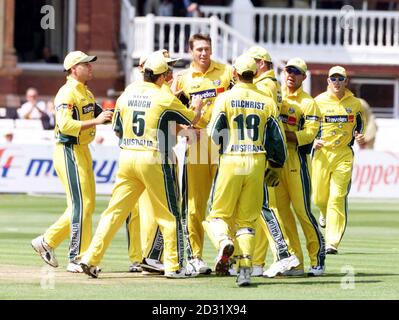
<point x="271" y="177"/>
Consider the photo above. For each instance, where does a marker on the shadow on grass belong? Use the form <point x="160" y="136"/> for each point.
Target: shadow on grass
<point x="277" y="280"/>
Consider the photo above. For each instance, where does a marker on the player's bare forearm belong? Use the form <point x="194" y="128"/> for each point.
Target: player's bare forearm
<point x="101" y="118"/>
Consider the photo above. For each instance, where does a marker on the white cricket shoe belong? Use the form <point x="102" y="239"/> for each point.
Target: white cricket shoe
<point x="316" y="271"/>
<point x="257" y="271"/>
<point x="74" y="267"/>
<point x="243" y="277"/>
<point x="135" y="267"/>
<point x="322" y="221"/>
<point x="199" y="266"/>
<point x="181" y="273"/>
<point x="279" y="267"/>
<point x="45" y="251"/>
<point x="152" y="266"/>
<point x="222" y="260"/>
<point x="90" y="270"/>
<point x="232" y="271"/>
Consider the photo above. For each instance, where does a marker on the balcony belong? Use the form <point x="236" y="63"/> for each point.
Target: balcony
<point x="319" y="36"/>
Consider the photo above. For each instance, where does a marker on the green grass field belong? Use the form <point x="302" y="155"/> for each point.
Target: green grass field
<point x="369" y="251"/>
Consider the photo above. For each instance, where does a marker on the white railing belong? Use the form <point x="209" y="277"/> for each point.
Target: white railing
<point x="127" y="38"/>
<point x="322" y="36"/>
<point x="172" y="33"/>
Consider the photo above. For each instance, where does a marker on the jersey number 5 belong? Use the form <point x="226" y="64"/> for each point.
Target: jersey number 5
<point x="251" y="124"/>
<point x="138" y="123"/>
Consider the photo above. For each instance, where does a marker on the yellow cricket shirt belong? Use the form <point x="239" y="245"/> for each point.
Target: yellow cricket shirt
<point x="300" y="114"/>
<point x="243" y="118"/>
<point x="142" y="114"/>
<point x="208" y="85"/>
<point x="267" y="83"/>
<point x="74" y="103"/>
<point x="340" y="119"/>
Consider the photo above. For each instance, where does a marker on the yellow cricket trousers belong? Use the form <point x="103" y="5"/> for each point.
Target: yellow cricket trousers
<point x="236" y="200"/>
<point x="269" y="230"/>
<point x="198" y="172"/>
<point x="74" y="167"/>
<point x="331" y="179"/>
<point x="133" y="227"/>
<point x="139" y="170"/>
<point x="295" y="189"/>
<point x="144" y="235"/>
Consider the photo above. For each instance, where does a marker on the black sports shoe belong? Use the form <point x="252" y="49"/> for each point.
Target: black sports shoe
<point x="331" y="250"/>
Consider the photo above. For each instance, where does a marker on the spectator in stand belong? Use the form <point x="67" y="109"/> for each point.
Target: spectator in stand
<point x="33" y="108"/>
<point x="48" y="118"/>
<point x="186" y="8"/>
<point x="371" y="128"/>
<point x="151" y="6"/>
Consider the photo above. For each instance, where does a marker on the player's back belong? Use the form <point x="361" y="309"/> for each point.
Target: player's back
<point x="142" y="114"/>
<point x="246" y="111"/>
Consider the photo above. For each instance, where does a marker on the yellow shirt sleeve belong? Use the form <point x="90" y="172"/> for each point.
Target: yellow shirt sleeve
<point x="311" y="126"/>
<point x="65" y="106"/>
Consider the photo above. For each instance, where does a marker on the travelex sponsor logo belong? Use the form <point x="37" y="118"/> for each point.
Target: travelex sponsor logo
<point x="339" y="119"/>
<point x="246" y="148"/>
<point x="312" y="118"/>
<point x="205" y="94"/>
<point x="288" y="119"/>
<point x="247" y="104"/>
<point x="6" y="164"/>
<point x="87" y="109"/>
<point x="104" y="171"/>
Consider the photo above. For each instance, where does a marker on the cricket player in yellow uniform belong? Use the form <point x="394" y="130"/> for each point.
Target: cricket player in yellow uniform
<point x="146" y="243"/>
<point x="300" y="116"/>
<point x="343" y="121"/>
<point x="243" y="125"/>
<point x="206" y="78"/>
<point x="75" y="128"/>
<point x="269" y="229"/>
<point x="141" y="119"/>
<point x="265" y="79"/>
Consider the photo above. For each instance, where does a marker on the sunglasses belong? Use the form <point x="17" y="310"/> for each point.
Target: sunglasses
<point x="340" y="79"/>
<point x="293" y="70"/>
